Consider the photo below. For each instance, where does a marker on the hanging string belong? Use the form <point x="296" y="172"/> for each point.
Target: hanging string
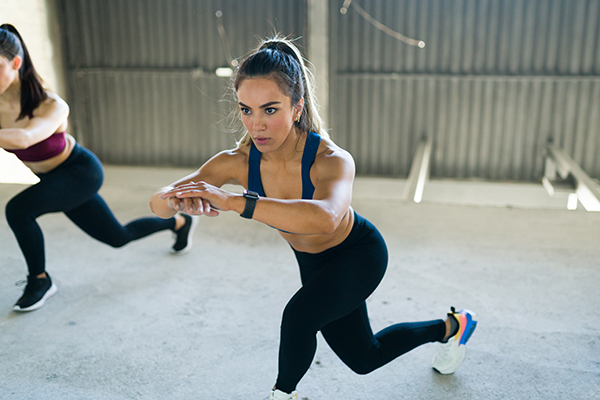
<point x="379" y="25"/>
<point x="226" y="48"/>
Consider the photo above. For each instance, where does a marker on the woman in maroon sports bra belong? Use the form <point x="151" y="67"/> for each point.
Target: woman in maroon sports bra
<point x="33" y="121"/>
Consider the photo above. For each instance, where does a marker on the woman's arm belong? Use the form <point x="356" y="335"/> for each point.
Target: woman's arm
<point x="334" y="170"/>
<point x="221" y="169"/>
<point x="334" y="173"/>
<point x="47" y="119"/>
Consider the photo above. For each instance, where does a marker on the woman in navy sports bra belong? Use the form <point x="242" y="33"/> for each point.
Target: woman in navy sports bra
<point x="32" y="126"/>
<point x="299" y="181"/>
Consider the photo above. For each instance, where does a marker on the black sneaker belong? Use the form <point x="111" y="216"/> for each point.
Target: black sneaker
<point x="37" y="291"/>
<point x="183" y="237"/>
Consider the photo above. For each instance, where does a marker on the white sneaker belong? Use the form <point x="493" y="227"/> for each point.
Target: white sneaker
<point x="279" y="395"/>
<point x="450" y="355"/>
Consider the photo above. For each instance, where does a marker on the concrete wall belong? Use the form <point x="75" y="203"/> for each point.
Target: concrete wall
<point x="37" y="22"/>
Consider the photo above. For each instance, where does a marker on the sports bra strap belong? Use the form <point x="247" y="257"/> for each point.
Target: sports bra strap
<point x="254" y="181"/>
<point x="308" y="158"/>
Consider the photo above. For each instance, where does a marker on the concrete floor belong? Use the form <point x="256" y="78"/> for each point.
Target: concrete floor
<point x="138" y="323"/>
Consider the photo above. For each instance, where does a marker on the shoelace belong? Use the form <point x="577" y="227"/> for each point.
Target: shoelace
<point x="31" y="285"/>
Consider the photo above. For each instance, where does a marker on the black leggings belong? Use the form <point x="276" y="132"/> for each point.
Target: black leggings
<point x="335" y="285"/>
<point x="72" y="188"/>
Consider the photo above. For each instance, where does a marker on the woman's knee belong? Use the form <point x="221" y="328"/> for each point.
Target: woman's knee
<point x="361" y="370"/>
<point x="117" y="243"/>
<point x="16" y="212"/>
<point x="297" y="317"/>
<point x="357" y="361"/>
<point x="112" y="239"/>
<point x="290" y="317"/>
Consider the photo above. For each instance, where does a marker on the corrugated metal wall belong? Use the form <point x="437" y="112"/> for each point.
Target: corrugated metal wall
<point x="496" y="80"/>
<point x="141" y="76"/>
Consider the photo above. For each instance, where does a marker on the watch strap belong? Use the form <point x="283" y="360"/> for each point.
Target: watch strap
<point x="251" y="199"/>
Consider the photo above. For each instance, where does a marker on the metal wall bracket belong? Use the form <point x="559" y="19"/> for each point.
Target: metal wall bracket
<point x="563" y="175"/>
<point x="419" y="172"/>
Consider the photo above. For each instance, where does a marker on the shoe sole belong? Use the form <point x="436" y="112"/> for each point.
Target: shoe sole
<point x="186" y="249"/>
<point x="51" y="292"/>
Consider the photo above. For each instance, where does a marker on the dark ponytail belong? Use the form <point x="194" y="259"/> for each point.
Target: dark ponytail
<point x="32" y="90"/>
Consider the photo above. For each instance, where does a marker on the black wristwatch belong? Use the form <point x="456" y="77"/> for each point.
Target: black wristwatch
<point x="251" y="198"/>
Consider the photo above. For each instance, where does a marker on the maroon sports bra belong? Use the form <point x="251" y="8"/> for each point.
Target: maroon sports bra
<point x="43" y="150"/>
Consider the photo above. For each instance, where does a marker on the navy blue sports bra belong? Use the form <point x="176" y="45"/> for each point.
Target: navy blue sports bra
<point x="308" y="158"/>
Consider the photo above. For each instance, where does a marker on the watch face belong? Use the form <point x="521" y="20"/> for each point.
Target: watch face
<point x="251" y="194"/>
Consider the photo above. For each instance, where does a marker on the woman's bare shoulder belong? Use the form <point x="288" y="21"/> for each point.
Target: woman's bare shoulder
<point x="332" y="159"/>
<point x="329" y="149"/>
<point x="237" y="155"/>
<point x="54" y="109"/>
<point x="227" y="166"/>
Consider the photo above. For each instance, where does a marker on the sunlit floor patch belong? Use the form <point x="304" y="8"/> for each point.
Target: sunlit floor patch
<point x="13" y="171"/>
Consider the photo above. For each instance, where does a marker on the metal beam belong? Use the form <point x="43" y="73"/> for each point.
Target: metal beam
<point x="587" y="190"/>
<point x="318" y="52"/>
<point x="419" y="172"/>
